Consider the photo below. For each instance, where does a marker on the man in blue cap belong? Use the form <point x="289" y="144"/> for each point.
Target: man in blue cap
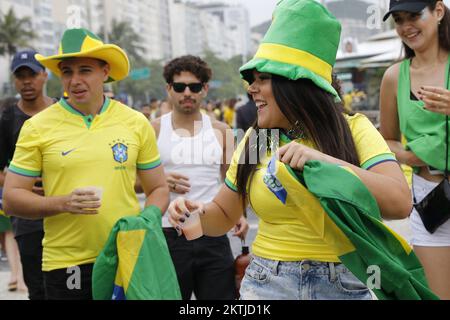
<point x="29" y="79"/>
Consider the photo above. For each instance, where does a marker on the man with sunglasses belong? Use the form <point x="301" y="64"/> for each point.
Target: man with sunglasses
<point x="194" y="151"/>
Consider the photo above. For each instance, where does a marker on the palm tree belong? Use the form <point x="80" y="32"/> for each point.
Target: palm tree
<point x="123" y="35"/>
<point x="15" y="33"/>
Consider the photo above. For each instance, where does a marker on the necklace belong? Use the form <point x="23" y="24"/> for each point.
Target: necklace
<point x="296" y="132"/>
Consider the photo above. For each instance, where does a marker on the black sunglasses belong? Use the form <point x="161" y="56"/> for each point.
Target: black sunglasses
<point x="181" y="87"/>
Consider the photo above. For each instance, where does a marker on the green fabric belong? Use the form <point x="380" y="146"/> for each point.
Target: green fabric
<point x="73" y="40"/>
<point x="304" y="25"/>
<point x="354" y="210"/>
<point x="153" y="276"/>
<point x="5" y="223"/>
<point x="424" y="130"/>
<point x="286" y="70"/>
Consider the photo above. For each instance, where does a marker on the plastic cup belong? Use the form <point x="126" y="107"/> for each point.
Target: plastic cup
<point x="192" y="227"/>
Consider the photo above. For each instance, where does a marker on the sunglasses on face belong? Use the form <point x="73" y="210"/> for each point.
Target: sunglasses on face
<point x="181" y="87"/>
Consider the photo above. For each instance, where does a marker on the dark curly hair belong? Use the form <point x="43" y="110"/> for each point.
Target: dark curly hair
<point x="192" y="64"/>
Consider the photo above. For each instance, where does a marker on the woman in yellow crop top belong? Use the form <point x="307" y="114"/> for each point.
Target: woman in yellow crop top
<point x="291" y="83"/>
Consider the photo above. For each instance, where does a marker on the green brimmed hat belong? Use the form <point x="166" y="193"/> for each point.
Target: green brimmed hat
<point x="302" y="42"/>
<point x="81" y="43"/>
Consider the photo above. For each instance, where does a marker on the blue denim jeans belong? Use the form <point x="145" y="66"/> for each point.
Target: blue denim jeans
<point x="303" y="280"/>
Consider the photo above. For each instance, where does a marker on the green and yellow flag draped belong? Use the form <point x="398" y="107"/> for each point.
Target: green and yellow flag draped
<point x="135" y="263"/>
<point x="346" y="215"/>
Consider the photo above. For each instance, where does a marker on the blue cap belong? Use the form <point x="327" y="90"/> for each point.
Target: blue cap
<point x="26" y="59"/>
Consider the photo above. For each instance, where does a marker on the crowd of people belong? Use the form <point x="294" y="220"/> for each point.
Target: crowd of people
<point x="184" y="157"/>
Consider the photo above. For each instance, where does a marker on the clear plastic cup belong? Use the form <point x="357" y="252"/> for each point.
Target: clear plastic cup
<point x="192" y="227"/>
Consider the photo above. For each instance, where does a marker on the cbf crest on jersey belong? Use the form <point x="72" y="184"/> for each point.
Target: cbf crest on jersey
<point x="120" y="151"/>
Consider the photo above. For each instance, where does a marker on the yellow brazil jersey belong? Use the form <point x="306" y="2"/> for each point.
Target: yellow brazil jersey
<point x="282" y="235"/>
<point x="72" y="151"/>
<point x="228" y="116"/>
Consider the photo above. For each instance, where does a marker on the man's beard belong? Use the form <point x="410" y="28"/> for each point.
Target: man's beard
<point x="188" y="110"/>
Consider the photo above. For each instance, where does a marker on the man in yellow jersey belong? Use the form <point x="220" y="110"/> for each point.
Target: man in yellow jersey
<point x="85" y="141"/>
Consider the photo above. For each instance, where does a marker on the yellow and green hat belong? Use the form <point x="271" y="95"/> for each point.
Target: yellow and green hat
<point x="81" y="43"/>
<point x="302" y="42"/>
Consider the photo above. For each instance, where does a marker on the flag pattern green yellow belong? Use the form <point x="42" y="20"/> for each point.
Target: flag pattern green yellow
<point x="341" y="209"/>
<point x="135" y="263"/>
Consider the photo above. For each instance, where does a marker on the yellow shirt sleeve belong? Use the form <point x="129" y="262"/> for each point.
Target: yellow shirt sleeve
<point x="149" y="157"/>
<point x="27" y="160"/>
<point x="370" y="145"/>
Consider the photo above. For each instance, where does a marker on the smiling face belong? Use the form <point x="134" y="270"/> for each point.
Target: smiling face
<point x="83" y="80"/>
<point x="269" y="113"/>
<point x="419" y="30"/>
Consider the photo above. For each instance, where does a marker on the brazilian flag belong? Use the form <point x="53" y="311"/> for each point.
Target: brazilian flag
<point x="135" y="263"/>
<point x="341" y="209"/>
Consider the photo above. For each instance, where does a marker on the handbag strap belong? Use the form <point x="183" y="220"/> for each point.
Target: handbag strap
<point x="446" y="149"/>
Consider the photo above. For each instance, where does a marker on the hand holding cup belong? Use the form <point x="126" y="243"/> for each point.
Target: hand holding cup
<point x="86" y="200"/>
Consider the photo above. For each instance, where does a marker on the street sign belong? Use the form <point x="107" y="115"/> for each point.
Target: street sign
<point x="140" y="74"/>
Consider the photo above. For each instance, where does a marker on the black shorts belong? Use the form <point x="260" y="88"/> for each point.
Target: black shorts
<point x="69" y="284"/>
<point x="204" y="266"/>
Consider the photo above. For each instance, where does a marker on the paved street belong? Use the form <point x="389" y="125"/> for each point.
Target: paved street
<point x="402" y="227"/>
<point x="4" y="279"/>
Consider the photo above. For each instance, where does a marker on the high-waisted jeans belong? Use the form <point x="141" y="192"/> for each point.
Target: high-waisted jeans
<point x="303" y="280"/>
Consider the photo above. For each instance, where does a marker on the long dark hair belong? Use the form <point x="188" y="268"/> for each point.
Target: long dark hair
<point x="443" y="32"/>
<point x="321" y="119"/>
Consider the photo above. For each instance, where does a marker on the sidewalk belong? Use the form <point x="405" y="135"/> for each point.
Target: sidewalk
<point x="4" y="278"/>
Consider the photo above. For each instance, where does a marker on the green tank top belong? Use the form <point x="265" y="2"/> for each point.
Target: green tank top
<point x="424" y="130"/>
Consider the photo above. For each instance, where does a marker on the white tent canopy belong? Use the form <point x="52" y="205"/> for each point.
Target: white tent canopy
<point x="379" y="50"/>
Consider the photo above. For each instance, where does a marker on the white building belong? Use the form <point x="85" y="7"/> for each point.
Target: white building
<point x="40" y="12"/>
<point x="68" y="14"/>
<point x="197" y="26"/>
<point x="168" y="28"/>
<point x="149" y="19"/>
<point x="360" y="19"/>
<point x="236" y="23"/>
<point x="185" y="29"/>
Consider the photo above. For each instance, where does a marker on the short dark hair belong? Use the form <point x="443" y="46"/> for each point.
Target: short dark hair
<point x="189" y="63"/>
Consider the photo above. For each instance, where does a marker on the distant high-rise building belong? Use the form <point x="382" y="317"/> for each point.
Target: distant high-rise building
<point x="186" y="29"/>
<point x="149" y="19"/>
<point x="360" y="19"/>
<point x="237" y="26"/>
<point x="217" y="27"/>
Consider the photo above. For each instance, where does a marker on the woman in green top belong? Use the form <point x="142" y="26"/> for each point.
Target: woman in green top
<point x="414" y="103"/>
